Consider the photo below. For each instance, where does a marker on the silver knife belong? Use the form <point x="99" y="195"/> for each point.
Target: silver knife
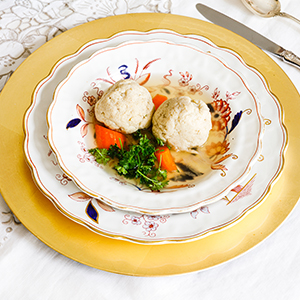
<point x="249" y="34"/>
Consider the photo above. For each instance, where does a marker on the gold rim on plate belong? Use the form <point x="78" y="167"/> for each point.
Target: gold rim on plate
<point x="40" y="216"/>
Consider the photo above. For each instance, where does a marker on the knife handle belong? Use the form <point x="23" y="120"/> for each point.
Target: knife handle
<point x="289" y="57"/>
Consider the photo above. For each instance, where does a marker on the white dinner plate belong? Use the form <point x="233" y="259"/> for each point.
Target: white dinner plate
<point x="140" y="227"/>
<point x="232" y="148"/>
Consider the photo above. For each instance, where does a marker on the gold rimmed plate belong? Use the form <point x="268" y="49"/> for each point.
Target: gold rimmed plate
<point x="38" y="214"/>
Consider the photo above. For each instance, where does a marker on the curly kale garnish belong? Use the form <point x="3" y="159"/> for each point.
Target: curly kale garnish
<point x="136" y="162"/>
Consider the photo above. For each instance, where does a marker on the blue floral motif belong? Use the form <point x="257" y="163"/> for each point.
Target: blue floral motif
<point x="92" y="212"/>
<point x="73" y="123"/>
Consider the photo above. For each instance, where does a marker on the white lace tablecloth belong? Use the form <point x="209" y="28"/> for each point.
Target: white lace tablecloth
<point x="31" y="270"/>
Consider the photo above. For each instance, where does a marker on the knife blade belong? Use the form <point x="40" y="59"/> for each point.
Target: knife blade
<point x="249" y="34"/>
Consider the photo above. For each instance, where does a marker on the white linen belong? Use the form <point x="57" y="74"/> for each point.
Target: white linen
<point x="31" y="270"/>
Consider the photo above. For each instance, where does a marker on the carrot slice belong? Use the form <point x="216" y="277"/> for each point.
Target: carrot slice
<point x="158" y="100"/>
<point x="106" y="137"/>
<point x="165" y="158"/>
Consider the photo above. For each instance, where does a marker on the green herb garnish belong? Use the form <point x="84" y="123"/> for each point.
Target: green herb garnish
<point x="100" y="155"/>
<point x="138" y="162"/>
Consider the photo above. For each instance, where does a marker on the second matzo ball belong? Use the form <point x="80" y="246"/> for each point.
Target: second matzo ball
<point x="182" y="123"/>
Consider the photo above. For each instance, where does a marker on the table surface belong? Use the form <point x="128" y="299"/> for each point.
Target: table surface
<point x="31" y="270"/>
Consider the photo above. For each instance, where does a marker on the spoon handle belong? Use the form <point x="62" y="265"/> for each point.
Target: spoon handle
<point x="289" y="57"/>
<point x="283" y="14"/>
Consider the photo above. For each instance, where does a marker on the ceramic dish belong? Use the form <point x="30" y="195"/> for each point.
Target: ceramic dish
<point x="232" y="148"/>
<point x="77" y="242"/>
<point x="143" y="228"/>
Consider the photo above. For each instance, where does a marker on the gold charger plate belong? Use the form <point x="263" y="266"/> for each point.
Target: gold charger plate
<point x="40" y="216"/>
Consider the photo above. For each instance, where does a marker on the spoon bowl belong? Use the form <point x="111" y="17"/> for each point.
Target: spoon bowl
<point x="267" y="8"/>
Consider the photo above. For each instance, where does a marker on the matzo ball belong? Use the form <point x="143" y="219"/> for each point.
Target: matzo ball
<point x="126" y="107"/>
<point x="182" y="123"/>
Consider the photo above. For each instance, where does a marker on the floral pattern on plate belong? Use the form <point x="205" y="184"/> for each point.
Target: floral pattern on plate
<point x="179" y="227"/>
<point x="153" y="65"/>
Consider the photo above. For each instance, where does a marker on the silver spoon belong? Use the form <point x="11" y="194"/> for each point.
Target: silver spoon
<point x="267" y="8"/>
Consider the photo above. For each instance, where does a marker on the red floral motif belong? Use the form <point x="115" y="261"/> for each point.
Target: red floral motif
<point x="168" y="81"/>
<point x="221" y="114"/>
<point x="217" y="166"/>
<point x="246" y="191"/>
<point x="91" y="100"/>
<point x="135" y="220"/>
<point x="63" y="179"/>
<point x="185" y="78"/>
<point x="218" y="148"/>
<point x="231" y="96"/>
<point x="193" y="89"/>
<point x="150" y="226"/>
<point x="203" y="209"/>
<point x="241" y="191"/>
<point x="149" y="223"/>
<point x="98" y="91"/>
<point x="86" y="156"/>
<point x="216" y="94"/>
<point x="216" y="151"/>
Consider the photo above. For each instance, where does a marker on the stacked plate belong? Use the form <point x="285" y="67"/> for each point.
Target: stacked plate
<point x="245" y="156"/>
